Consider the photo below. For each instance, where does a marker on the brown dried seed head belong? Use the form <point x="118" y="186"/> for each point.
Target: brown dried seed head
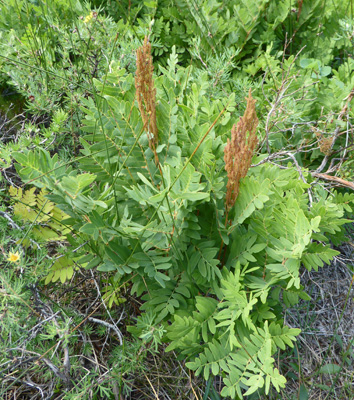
<point x="239" y="150"/>
<point x="325" y="143"/>
<point x="145" y="91"/>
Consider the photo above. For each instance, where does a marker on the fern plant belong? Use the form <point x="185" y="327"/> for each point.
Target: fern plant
<point x="211" y="277"/>
<point x="40" y="212"/>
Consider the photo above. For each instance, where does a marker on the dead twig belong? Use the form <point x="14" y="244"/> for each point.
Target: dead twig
<point x="335" y="179"/>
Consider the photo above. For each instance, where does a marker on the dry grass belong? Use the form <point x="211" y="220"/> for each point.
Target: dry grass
<point x="327" y="323"/>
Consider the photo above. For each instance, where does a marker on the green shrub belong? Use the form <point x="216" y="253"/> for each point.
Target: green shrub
<point x="215" y="286"/>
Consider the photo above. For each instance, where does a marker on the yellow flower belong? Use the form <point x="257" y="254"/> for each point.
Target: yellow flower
<point x="13" y="257"/>
<point x="88" y="18"/>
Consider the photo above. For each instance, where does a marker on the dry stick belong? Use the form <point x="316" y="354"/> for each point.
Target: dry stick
<point x="345" y="108"/>
<point x="66" y="364"/>
<point x="53" y="367"/>
<point x="153" y="389"/>
<point x="74" y="329"/>
<point x="301" y="175"/>
<point x="11" y="222"/>
<point x="345" y="149"/>
<point x="339" y="181"/>
<point x="336" y="132"/>
<point x="190" y="382"/>
<point x="113" y="326"/>
<point x="46" y="309"/>
<point x="281" y="93"/>
<point x="30" y="384"/>
<point x="278" y="98"/>
<point x="341" y="114"/>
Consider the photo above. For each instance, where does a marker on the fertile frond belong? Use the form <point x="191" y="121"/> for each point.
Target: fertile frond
<point x="146" y="93"/>
<point x="239" y="150"/>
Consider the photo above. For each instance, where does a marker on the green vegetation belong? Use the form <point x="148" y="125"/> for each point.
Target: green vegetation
<point x="178" y="172"/>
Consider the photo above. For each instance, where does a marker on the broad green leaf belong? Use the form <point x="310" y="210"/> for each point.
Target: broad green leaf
<point x="330" y="369"/>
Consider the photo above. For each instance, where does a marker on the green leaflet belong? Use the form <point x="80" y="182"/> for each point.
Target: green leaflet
<point x="63" y="269"/>
<point x="74" y="185"/>
<point x="252" y="196"/>
<point x="38" y="210"/>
